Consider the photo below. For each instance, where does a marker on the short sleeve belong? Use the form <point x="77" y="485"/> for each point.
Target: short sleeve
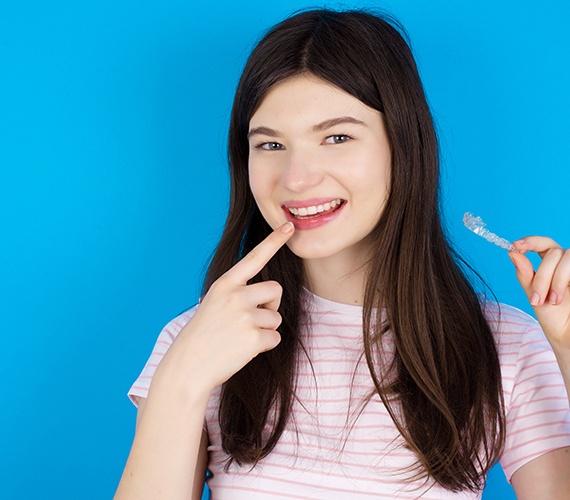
<point x="142" y="384"/>
<point x="537" y="407"/>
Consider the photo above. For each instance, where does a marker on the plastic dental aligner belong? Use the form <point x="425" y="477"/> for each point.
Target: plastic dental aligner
<point x="477" y="225"/>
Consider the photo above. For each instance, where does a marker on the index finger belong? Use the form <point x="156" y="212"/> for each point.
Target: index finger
<point x="538" y="244"/>
<point x="256" y="259"/>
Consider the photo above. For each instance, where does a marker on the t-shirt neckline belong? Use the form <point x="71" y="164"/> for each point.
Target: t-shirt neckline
<point x="322" y="304"/>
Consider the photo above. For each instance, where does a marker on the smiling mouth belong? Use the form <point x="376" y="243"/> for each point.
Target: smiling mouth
<point x="313" y="211"/>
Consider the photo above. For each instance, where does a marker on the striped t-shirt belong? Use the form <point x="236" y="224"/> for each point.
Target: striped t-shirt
<point x="335" y="447"/>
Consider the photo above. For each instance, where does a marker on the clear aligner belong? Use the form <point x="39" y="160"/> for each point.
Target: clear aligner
<point x="477" y="225"/>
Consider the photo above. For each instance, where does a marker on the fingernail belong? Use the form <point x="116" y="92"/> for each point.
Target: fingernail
<point x="520" y="242"/>
<point x="287" y="228"/>
<point x="553" y="298"/>
<point x="534" y="299"/>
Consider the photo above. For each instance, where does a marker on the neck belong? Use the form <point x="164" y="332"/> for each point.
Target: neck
<point x="336" y="280"/>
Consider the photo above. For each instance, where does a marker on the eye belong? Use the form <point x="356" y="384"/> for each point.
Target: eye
<point x="337" y="139"/>
<point x="270" y="146"/>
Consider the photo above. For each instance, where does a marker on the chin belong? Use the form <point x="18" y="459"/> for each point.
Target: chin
<point x="311" y="250"/>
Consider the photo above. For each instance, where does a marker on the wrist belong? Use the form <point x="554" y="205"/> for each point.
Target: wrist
<point x="179" y="386"/>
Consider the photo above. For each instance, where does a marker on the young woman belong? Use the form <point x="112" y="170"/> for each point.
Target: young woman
<point x="339" y="350"/>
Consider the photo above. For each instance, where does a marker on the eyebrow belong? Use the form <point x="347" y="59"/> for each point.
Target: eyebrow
<point x="319" y="127"/>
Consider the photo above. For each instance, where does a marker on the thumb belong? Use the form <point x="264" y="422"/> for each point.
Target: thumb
<point x="269" y="340"/>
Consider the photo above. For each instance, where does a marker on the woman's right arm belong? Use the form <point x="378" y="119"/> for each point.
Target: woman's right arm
<point x="233" y="324"/>
<point x="169" y="443"/>
<point x="200" y="468"/>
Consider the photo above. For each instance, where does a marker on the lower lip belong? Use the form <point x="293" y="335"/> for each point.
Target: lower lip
<point x="315" y="221"/>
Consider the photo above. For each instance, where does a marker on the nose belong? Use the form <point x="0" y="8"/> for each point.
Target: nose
<point x="300" y="173"/>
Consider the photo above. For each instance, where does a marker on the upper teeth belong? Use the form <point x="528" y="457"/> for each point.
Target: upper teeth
<point x="314" y="209"/>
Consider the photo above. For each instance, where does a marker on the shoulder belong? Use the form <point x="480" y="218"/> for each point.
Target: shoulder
<point x="504" y="318"/>
<point x="525" y="355"/>
<point x="165" y="339"/>
<point x="512" y="328"/>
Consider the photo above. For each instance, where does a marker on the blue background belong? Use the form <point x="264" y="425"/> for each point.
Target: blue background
<point x="113" y="187"/>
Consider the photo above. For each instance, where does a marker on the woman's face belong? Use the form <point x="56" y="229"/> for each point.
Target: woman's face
<point x="320" y="158"/>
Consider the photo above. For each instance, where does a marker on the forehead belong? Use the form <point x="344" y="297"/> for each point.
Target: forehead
<point x="306" y="100"/>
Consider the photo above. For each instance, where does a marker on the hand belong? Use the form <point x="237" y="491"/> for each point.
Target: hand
<point x="548" y="288"/>
<point x="233" y="324"/>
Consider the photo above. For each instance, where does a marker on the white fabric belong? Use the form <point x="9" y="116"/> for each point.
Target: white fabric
<point x="337" y="448"/>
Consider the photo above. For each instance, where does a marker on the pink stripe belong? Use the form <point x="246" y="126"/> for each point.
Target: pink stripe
<point x="509" y="344"/>
<point x="533" y="442"/>
<point x="539" y="426"/>
<point x="268" y="494"/>
<point x="539" y="400"/>
<point x="534" y="354"/>
<point x="349" y="439"/>
<point x="370" y="412"/>
<point x="359" y="427"/>
<point x="512" y="322"/>
<point x="319" y="401"/>
<point x="333" y="327"/>
<point x="336" y="374"/>
<point x="318" y="473"/>
<point x="534" y="414"/>
<point x="355" y="428"/>
<point x="309" y="486"/>
<point x="324" y="388"/>
<point x="141" y="388"/>
<point x="538" y="341"/>
<point x="324" y="313"/>
<point x="533" y="389"/>
<point x="335" y="349"/>
<point x="538" y="376"/>
<point x="321" y="447"/>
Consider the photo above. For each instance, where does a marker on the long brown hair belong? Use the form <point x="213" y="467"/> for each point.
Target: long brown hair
<point x="448" y="402"/>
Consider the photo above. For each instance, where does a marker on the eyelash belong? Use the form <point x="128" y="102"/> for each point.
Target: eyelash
<point x="261" y="144"/>
<point x="345" y="137"/>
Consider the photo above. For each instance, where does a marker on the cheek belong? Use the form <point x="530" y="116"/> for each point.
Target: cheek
<point x="254" y="181"/>
<point x="384" y="181"/>
<point x="261" y="188"/>
<point x="371" y="177"/>
<point x="380" y="174"/>
<point x="262" y="180"/>
<point x="373" y="185"/>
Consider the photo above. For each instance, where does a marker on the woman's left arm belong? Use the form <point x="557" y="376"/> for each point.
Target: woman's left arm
<point x="548" y="292"/>
<point x="548" y="476"/>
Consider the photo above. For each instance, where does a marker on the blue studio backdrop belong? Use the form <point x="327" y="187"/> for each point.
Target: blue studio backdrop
<point x="113" y="189"/>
